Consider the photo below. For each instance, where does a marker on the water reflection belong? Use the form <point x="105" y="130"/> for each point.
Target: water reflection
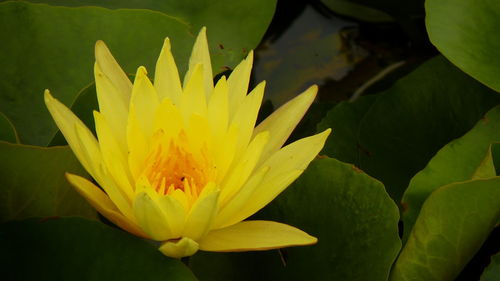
<point x="312" y="50"/>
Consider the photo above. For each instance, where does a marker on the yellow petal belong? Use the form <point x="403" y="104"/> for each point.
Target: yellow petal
<point x="101" y="202"/>
<point x="229" y="212"/>
<point x="138" y="144"/>
<point x="285" y="166"/>
<point x="201" y="215"/>
<point x="151" y="218"/>
<point x="224" y="151"/>
<point x="114" y="159"/>
<point x="193" y="99"/>
<point x="113" y="105"/>
<point x="184" y="247"/>
<point x="246" y="117"/>
<point x="200" y="55"/>
<point x="240" y="173"/>
<point x="281" y="123"/>
<point x="198" y="132"/>
<point x="86" y="149"/>
<point x="167" y="81"/>
<point x="218" y="114"/>
<point x="255" y="235"/>
<point x="174" y="212"/>
<point x="112" y="69"/>
<point x="145" y="101"/>
<point x="238" y="83"/>
<point x="78" y="136"/>
<point x="168" y="119"/>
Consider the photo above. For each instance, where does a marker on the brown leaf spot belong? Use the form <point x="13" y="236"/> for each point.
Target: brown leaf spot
<point x="404" y="206"/>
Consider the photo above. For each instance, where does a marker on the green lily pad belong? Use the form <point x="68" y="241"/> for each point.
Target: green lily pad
<point x="495" y="154"/>
<point x="457" y="161"/>
<point x="79" y="249"/>
<point x="401" y="131"/>
<point x="465" y="32"/>
<point x="347" y="210"/>
<point x="233" y="27"/>
<point x="344" y="119"/>
<point x="453" y="223"/>
<point x="7" y="130"/>
<point x="492" y="272"/>
<point x="57" y="54"/>
<point x="33" y="184"/>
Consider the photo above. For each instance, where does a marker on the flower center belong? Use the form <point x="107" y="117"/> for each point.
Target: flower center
<point x="174" y="163"/>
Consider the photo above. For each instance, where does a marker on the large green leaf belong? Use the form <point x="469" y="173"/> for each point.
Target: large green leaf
<point x="79" y="249"/>
<point x="457" y="161"/>
<point x="453" y="223"/>
<point x="466" y="32"/>
<point x="234" y="27"/>
<point x="7" y="130"/>
<point x="344" y="119"/>
<point x="492" y="272"/>
<point x="408" y="123"/>
<point x="58" y="53"/>
<point x="350" y="213"/>
<point x="32" y="183"/>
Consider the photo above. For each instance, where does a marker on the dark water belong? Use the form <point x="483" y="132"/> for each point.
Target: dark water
<point x="309" y="44"/>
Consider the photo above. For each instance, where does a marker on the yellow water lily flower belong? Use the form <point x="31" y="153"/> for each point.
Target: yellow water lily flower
<point x="184" y="163"/>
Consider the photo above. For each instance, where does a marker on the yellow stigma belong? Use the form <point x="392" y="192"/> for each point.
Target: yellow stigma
<point x="174" y="163"/>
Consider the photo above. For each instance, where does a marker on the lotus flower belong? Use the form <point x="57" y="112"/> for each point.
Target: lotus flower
<point x="184" y="164"/>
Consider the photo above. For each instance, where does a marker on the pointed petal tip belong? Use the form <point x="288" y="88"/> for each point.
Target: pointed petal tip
<point x="327" y="132"/>
<point x="69" y="176"/>
<point x="166" y="44"/>
<point x="311" y="91"/>
<point x="50" y="102"/>
<point x="100" y="47"/>
<point x="47" y="96"/>
<point x="262" y="84"/>
<point x="140" y="74"/>
<point x="250" y="56"/>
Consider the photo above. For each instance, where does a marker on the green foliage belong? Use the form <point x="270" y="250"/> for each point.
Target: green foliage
<point x="32" y="183"/>
<point x="465" y="32"/>
<point x="462" y="159"/>
<point x="394" y="136"/>
<point x="347" y="210"/>
<point x="233" y="27"/>
<point x="62" y="60"/>
<point x="7" y="130"/>
<point x="79" y="249"/>
<point x="57" y="54"/>
<point x="453" y="223"/>
<point x="492" y="272"/>
<point x="425" y="141"/>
